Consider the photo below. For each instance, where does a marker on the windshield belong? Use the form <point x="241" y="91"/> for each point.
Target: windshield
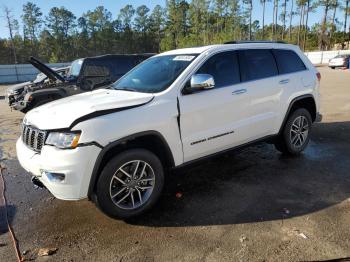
<point x="75" y="68"/>
<point x="155" y="74"/>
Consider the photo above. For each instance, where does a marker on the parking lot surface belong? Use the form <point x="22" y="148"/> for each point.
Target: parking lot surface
<point x="252" y="205"/>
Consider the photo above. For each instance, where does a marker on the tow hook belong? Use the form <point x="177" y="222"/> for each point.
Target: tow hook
<point x="37" y="183"/>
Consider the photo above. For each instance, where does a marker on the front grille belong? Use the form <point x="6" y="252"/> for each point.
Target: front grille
<point x="33" y="137"/>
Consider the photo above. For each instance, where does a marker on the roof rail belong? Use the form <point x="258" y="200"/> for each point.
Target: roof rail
<point x="254" y="42"/>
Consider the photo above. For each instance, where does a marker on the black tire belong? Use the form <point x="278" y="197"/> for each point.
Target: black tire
<point x="105" y="182"/>
<point x="285" y="143"/>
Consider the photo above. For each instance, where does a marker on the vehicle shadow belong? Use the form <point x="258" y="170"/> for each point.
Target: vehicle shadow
<point x="258" y="184"/>
<point x="11" y="211"/>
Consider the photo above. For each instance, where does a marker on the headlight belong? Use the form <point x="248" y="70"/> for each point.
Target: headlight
<point x="63" y="140"/>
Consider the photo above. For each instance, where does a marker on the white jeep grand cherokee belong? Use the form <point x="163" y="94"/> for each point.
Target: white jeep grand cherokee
<point x="115" y="145"/>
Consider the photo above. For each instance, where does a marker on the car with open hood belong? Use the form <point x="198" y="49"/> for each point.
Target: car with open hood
<point x="116" y="146"/>
<point x="85" y="74"/>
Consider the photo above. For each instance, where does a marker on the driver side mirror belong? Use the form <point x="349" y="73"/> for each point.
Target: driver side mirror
<point x="200" y="82"/>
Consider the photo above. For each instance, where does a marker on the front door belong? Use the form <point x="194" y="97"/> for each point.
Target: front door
<point x="214" y="120"/>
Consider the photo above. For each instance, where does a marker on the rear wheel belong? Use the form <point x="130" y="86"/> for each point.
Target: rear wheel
<point x="130" y="184"/>
<point x="296" y="133"/>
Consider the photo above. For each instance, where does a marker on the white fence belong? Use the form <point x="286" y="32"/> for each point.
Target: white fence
<point x="322" y="57"/>
<point x="26" y="72"/>
<point x="22" y="72"/>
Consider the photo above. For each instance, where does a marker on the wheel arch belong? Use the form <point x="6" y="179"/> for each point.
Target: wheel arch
<point x="150" y="140"/>
<point x="304" y="101"/>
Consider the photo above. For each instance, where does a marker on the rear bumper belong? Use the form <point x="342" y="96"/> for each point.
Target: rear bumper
<point x="76" y="164"/>
<point x="337" y="65"/>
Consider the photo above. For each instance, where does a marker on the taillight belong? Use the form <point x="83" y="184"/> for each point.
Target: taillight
<point x="318" y="76"/>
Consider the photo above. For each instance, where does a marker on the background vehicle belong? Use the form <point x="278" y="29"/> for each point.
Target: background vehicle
<point x="15" y="94"/>
<point x="115" y="146"/>
<point x="339" y="61"/>
<point x="84" y="74"/>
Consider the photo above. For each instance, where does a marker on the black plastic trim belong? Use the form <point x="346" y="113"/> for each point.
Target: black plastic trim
<point x="202" y="159"/>
<point x="290" y="107"/>
<point x="94" y="175"/>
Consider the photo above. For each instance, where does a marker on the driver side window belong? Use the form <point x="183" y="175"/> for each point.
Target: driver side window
<point x="223" y="67"/>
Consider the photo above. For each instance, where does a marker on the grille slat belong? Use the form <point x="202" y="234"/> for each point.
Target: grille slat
<point x="33" y="137"/>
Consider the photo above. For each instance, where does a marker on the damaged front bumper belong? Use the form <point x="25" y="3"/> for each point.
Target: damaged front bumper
<point x="17" y="103"/>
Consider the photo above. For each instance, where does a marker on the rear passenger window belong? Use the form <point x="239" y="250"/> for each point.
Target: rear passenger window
<point x="223" y="67"/>
<point x="257" y="64"/>
<point x="288" y="61"/>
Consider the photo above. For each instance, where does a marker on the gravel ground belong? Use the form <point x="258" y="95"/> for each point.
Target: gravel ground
<point x="252" y="205"/>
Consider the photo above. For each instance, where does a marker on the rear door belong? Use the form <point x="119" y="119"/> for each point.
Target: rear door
<point x="293" y="70"/>
<point x="294" y="78"/>
<point x="259" y="76"/>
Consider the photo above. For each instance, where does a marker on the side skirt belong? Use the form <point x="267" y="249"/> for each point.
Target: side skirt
<point x="268" y="139"/>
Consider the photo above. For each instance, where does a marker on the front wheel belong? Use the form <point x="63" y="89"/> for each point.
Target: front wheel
<point x="130" y="184"/>
<point x="295" y="135"/>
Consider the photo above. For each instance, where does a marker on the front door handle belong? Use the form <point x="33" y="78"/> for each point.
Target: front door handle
<point x="239" y="91"/>
<point x="284" y="81"/>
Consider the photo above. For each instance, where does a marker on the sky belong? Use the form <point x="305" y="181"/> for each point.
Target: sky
<point x="78" y="7"/>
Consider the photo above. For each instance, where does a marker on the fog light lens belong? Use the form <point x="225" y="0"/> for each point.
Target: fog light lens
<point x="54" y="177"/>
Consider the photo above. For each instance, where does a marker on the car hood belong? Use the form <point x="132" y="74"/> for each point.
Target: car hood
<point x="67" y="112"/>
<point x="45" y="69"/>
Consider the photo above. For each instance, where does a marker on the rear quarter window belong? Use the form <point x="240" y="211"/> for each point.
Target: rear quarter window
<point x="288" y="61"/>
<point x="257" y="64"/>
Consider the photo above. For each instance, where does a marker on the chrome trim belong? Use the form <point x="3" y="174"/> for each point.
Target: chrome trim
<point x="33" y="138"/>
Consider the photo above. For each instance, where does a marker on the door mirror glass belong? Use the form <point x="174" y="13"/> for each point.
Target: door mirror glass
<point x="202" y="82"/>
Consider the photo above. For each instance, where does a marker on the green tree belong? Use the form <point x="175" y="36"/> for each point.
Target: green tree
<point x="32" y="22"/>
<point x="97" y="24"/>
<point x="61" y="23"/>
<point x="157" y="21"/>
<point x="126" y="14"/>
<point x="142" y="20"/>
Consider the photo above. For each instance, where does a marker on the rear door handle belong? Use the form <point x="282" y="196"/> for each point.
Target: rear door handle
<point x="239" y="91"/>
<point x="284" y="81"/>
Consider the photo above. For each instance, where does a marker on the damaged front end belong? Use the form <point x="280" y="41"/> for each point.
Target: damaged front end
<point x="15" y="96"/>
<point x="19" y="96"/>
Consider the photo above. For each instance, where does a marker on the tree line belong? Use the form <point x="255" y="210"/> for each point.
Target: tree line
<point x="60" y="36"/>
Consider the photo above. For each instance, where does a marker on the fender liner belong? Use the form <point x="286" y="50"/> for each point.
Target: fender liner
<point x="290" y="107"/>
<point x="95" y="173"/>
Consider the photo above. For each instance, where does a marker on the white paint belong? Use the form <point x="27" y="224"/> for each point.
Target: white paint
<point x="217" y="117"/>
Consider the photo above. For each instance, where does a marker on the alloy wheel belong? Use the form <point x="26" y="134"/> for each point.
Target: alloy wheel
<point x="299" y="131"/>
<point x="132" y="184"/>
